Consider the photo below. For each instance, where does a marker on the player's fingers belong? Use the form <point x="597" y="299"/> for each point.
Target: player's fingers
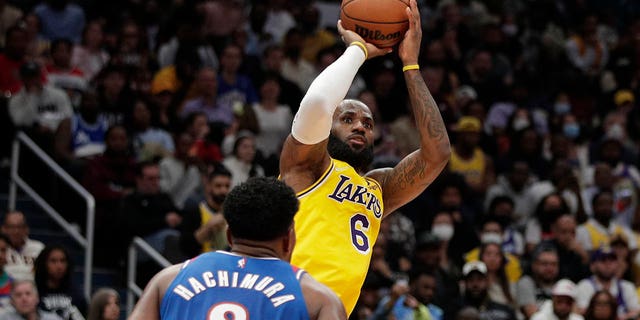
<point x="415" y="12"/>
<point x="340" y="28"/>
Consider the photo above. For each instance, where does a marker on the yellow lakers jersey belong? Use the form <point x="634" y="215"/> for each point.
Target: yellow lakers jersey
<point x="336" y="228"/>
<point x="472" y="169"/>
<point x="219" y="240"/>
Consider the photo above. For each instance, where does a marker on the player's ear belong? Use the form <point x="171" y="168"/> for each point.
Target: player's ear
<point x="229" y="238"/>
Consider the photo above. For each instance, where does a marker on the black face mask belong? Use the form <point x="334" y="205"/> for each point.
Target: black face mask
<point x="293" y="52"/>
<point x="218" y="198"/>
<point x="359" y="160"/>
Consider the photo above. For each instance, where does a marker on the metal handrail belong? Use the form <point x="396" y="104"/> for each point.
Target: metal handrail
<point x="132" y="287"/>
<point x="17" y="181"/>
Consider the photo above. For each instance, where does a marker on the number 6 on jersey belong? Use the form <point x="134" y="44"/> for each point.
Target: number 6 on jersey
<point x="360" y="224"/>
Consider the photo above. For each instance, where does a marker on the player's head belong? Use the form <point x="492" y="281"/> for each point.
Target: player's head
<point x="260" y="209"/>
<point x="351" y="138"/>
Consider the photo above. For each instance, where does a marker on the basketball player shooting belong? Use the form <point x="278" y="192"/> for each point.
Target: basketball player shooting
<point x="326" y="157"/>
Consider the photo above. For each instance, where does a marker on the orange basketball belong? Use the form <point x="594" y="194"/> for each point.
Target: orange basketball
<point x="380" y="22"/>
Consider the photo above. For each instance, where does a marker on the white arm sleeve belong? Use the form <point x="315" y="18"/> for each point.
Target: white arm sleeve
<point x="312" y="123"/>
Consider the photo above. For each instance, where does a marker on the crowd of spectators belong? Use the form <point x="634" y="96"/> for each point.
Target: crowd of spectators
<point x="159" y="107"/>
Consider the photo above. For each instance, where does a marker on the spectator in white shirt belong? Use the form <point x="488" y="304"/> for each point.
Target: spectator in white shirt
<point x="23" y="251"/>
<point x="560" y="307"/>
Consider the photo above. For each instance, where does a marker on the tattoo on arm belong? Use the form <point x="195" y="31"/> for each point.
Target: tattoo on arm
<point x="410" y="171"/>
<point x="424" y="107"/>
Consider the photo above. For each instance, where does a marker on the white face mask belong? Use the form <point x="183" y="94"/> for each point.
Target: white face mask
<point x="520" y="123"/>
<point x="444" y="232"/>
<point x="491" y="237"/>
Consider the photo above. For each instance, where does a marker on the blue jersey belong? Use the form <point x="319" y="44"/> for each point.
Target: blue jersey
<point x="88" y="139"/>
<point x="221" y="285"/>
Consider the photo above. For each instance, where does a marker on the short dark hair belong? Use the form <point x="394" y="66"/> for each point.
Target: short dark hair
<point x="260" y="209"/>
<point x="500" y="200"/>
<point x="542" y="248"/>
<point x="60" y="42"/>
<point x="217" y="169"/>
<point x="600" y="194"/>
<point x="140" y="166"/>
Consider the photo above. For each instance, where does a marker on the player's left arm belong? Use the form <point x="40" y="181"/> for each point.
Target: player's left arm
<point x="148" y="307"/>
<point x="417" y="170"/>
<point x="322" y="303"/>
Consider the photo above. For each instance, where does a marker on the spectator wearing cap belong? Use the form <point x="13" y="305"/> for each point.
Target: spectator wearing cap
<point x="604" y="266"/>
<point x="534" y="289"/>
<point x="476" y="286"/>
<point x="563" y="296"/>
<point x="624" y="100"/>
<point x="468" y="159"/>
<point x="38" y="106"/>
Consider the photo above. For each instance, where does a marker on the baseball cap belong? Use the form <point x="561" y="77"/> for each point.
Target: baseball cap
<point x="623" y="96"/>
<point x="619" y="239"/>
<point x="428" y="240"/>
<point x="468" y="124"/>
<point x="564" y="287"/>
<point x="602" y="253"/>
<point x="466" y="92"/>
<point x="472" y="266"/>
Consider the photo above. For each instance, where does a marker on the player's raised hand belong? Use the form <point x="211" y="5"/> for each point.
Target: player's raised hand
<point x="409" y="48"/>
<point x="349" y="37"/>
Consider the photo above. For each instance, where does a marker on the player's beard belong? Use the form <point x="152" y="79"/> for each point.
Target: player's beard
<point x="359" y="160"/>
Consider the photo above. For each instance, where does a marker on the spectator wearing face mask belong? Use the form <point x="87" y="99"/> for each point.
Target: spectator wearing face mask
<point x="443" y="228"/>
<point x="491" y="232"/>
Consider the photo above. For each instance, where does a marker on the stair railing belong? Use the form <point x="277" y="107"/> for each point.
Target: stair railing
<point x="86" y="242"/>
<point x="133" y="291"/>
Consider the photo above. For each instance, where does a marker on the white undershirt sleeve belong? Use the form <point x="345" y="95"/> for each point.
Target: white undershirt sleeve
<point x="312" y="123"/>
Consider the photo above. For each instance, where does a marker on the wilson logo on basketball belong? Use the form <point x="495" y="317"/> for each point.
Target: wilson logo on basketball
<point x="368" y="34"/>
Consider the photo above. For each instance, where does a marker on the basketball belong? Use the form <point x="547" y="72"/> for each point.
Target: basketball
<point x="382" y="23"/>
